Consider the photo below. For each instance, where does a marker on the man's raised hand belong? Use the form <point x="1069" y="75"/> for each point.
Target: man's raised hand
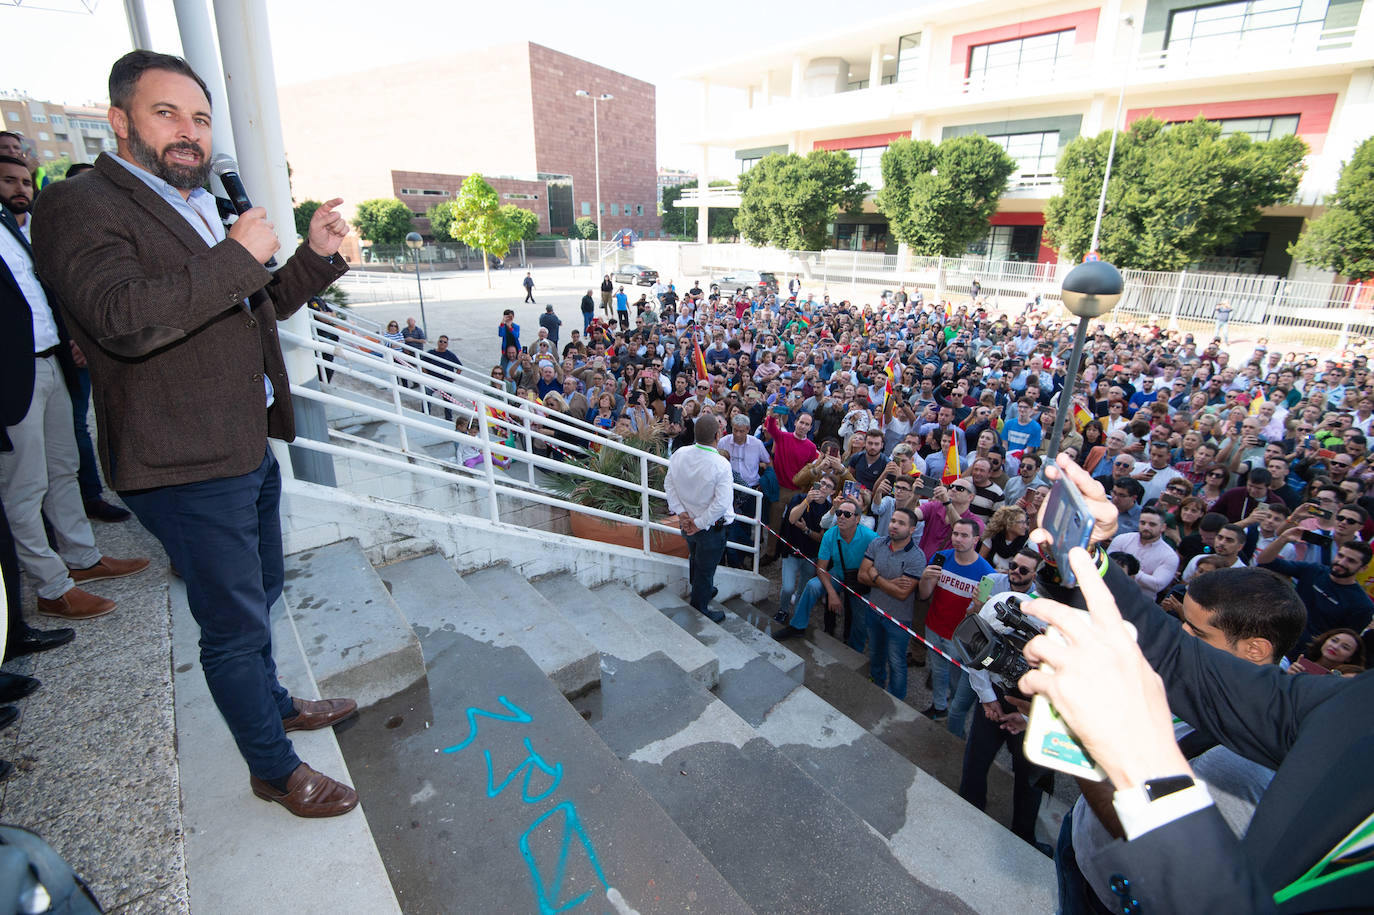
<point x="327" y="228"/>
<point x="257" y="235"/>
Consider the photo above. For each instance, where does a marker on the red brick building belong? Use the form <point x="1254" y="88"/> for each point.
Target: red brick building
<point x="510" y="113"/>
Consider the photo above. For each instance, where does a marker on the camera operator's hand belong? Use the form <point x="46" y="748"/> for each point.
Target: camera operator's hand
<point x="1103" y="511"/>
<point x="1102" y="685"/>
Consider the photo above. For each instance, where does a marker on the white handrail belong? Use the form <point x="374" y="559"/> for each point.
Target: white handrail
<point x="479" y="403"/>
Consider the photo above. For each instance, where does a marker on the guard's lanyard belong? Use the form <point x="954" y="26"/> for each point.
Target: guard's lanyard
<point x="1352" y="855"/>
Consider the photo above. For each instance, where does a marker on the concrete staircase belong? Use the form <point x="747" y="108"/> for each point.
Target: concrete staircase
<point x="564" y="743"/>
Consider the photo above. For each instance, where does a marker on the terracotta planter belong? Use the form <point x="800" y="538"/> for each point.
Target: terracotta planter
<point x="619" y="533"/>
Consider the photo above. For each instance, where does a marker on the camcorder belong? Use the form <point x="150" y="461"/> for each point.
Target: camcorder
<point x="995" y="638"/>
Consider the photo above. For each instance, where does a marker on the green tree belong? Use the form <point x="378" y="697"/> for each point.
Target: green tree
<point x="479" y="223"/>
<point x="383" y="221"/>
<point x="440" y="218"/>
<point x="57" y="168"/>
<point x="1342" y="238"/>
<point x="304" y="210"/>
<point x="683" y="220"/>
<point x="523" y="219"/>
<point x="787" y="200"/>
<point x="1177" y="192"/>
<point x="938" y="198"/>
<point x="583" y="227"/>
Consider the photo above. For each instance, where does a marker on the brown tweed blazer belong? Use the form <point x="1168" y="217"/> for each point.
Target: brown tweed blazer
<point x="176" y="359"/>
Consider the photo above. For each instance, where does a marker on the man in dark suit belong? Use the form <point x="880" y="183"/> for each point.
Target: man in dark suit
<point x="178" y="321"/>
<point x="38" y="473"/>
<point x="1306" y="848"/>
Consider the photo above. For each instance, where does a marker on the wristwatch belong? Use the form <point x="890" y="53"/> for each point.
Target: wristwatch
<point x="1157" y="788"/>
<point x="1158" y="801"/>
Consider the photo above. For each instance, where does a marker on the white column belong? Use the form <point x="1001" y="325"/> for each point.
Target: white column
<point x="875" y="67"/>
<point x="251" y="90"/>
<point x="798" y="69"/>
<point x="138" y="25"/>
<point x="918" y="127"/>
<point x="767" y="90"/>
<point x="198" y="45"/>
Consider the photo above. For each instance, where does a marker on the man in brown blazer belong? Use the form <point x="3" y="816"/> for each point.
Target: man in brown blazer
<point x="178" y="324"/>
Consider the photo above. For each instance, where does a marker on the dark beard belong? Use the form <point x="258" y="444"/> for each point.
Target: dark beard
<point x="16" y="208"/>
<point x="181" y="177"/>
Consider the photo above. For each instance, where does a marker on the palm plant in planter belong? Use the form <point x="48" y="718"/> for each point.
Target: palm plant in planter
<point x="620" y="500"/>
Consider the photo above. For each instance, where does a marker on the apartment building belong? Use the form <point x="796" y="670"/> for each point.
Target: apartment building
<point x="76" y="132"/>
<point x="1033" y="76"/>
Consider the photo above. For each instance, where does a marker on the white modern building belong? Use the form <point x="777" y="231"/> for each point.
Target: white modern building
<point x="1033" y="76"/>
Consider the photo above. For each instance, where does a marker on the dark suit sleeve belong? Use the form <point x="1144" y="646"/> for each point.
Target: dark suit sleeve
<point x="1255" y="711"/>
<point x="1194" y="864"/>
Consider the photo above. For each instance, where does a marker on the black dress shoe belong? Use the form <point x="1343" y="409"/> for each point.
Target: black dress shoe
<point x="8" y="716"/>
<point x="715" y="616"/>
<point x="100" y="510"/>
<point x="14" y="687"/>
<point x="788" y="632"/>
<point x="34" y="640"/>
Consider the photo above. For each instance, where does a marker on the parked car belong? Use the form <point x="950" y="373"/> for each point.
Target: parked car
<point x="635" y="274"/>
<point x="762" y="281"/>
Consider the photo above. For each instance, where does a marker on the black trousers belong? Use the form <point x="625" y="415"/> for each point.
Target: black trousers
<point x="985" y="738"/>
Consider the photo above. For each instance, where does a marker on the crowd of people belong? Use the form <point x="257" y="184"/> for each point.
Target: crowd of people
<point x="899" y="449"/>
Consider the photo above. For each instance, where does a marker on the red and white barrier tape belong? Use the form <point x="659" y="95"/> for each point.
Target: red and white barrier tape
<point x="883" y="613"/>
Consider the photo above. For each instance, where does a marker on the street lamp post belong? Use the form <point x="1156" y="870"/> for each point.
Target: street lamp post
<point x="596" y="152"/>
<point x="415" y="243"/>
<point x="1092" y="288"/>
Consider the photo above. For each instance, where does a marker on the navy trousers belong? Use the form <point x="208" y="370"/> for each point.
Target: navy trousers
<point x="704" y="549"/>
<point x="224" y="537"/>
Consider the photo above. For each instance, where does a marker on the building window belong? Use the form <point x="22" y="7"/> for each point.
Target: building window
<point x="423" y="192"/>
<point x="42" y="135"/>
<point x="520" y="196"/>
<point x="1035" y="155"/>
<point x="58" y="119"/>
<point x="639" y="209"/>
<point x="1222" y="27"/>
<point x="39" y="118"/>
<point x="12" y="115"/>
<point x="1020" y="58"/>
<point x="1261" y="129"/>
<point x="1009" y="243"/>
<point x="909" y="58"/>
<point x="858" y="84"/>
<point x="746" y="164"/>
<point x="615" y="210"/>
<point x="869" y="165"/>
<point x="60" y="137"/>
<point x="586" y="208"/>
<point x="49" y="154"/>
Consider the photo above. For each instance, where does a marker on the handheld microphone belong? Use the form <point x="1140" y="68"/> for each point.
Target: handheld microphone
<point x="223" y="165"/>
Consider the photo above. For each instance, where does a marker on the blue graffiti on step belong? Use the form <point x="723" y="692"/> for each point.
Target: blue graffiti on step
<point x="546" y="892"/>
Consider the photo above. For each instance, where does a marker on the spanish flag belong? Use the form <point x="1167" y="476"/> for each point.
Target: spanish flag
<point x="698" y="360"/>
<point x="1081" y="416"/>
<point x="890" y="371"/>
<point x="1256" y="400"/>
<point x="951" y="461"/>
<point x="949" y="311"/>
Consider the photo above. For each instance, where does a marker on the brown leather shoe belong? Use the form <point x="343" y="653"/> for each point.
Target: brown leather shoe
<point x="309" y="794"/>
<point x="76" y="605"/>
<point x="109" y="568"/>
<point x="314" y="714"/>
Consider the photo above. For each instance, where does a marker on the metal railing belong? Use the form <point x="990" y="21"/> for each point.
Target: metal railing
<point x="506" y="427"/>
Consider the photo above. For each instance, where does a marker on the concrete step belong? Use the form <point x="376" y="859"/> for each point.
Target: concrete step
<point x="781" y="840"/>
<point x="357" y="642"/>
<point x="613" y="635"/>
<point x="927" y="826"/>
<point x="637" y="613"/>
<point x="497" y="797"/>
<point x="734" y="640"/>
<point x="495" y="606"/>
<point x="243" y="855"/>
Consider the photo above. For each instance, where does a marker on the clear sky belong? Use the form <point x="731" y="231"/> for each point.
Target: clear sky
<point x="66" y="56"/>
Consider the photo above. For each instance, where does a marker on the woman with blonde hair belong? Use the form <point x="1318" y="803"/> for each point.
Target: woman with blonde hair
<point x="1007" y="534"/>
